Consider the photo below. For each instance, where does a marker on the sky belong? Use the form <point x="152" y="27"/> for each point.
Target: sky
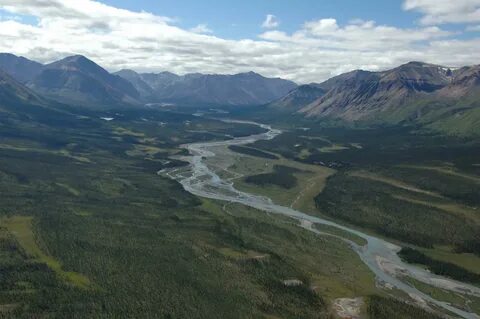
<point x="301" y="40"/>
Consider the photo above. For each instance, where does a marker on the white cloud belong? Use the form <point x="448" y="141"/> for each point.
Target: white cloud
<point x="445" y="11"/>
<point x="326" y="33"/>
<point x="117" y="38"/>
<point x="473" y="28"/>
<point x="270" y="22"/>
<point x="201" y="28"/>
<point x="323" y="26"/>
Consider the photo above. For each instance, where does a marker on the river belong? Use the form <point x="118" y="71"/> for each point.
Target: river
<point x="379" y="255"/>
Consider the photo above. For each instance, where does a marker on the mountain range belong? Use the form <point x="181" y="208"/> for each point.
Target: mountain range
<point x="204" y="89"/>
<point x="433" y="96"/>
<point x="78" y="80"/>
<point x="419" y="93"/>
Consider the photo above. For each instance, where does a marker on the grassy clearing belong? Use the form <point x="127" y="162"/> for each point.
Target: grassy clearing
<point x="341" y="233"/>
<point x="333" y="148"/>
<point x="468" y="303"/>
<point x="145" y="151"/>
<point x="70" y="189"/>
<point x="62" y="152"/>
<point x="128" y="132"/>
<point x="442" y="268"/>
<point x="470" y="262"/>
<point x="391" y="182"/>
<point x="22" y="229"/>
<point x="311" y="180"/>
<point x="459" y="210"/>
<point x="444" y="170"/>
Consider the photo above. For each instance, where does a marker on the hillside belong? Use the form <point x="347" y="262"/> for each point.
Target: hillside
<point x="430" y="95"/>
<point x="299" y="97"/>
<point x="13" y="93"/>
<point x="208" y="89"/>
<point x="77" y="79"/>
<point x="20" y="68"/>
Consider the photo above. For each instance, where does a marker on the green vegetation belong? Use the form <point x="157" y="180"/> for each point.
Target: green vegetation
<point x="341" y="233"/>
<point x="281" y="176"/>
<point x="450" y="254"/>
<point x="21" y="228"/>
<point x="310" y="179"/>
<point x="470" y="303"/>
<point x="441" y="180"/>
<point x="387" y="308"/>
<point x="395" y="181"/>
<point x="252" y="152"/>
<point x="442" y="268"/>
<point x="370" y="204"/>
<point x="89" y="230"/>
<point x="470" y="246"/>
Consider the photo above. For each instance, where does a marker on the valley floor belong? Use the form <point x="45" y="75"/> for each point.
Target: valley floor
<point x="89" y="229"/>
<point x="431" y="205"/>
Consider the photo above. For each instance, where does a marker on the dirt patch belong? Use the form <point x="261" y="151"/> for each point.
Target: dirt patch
<point x="292" y="282"/>
<point x="348" y="308"/>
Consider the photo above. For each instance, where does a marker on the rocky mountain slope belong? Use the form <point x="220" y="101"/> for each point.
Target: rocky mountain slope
<point x="430" y="95"/>
<point x="298" y="97"/>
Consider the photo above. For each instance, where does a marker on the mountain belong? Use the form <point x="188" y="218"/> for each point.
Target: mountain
<point x="299" y="97"/>
<point x="208" y="89"/>
<point x="14" y="93"/>
<point x="159" y="81"/>
<point x="430" y="95"/>
<point x="79" y="80"/>
<point x="21" y="107"/>
<point x="465" y="82"/>
<point x="362" y="94"/>
<point x="20" y="68"/>
<point x="143" y="88"/>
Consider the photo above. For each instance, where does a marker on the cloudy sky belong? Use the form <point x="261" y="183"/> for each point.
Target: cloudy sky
<point x="302" y="40"/>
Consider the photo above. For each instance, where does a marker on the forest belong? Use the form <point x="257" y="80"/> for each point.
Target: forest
<point x="87" y="223"/>
<point x="441" y="268"/>
<point x="281" y="176"/>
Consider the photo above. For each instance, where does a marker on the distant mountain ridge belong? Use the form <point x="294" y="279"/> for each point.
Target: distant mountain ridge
<point x="78" y="80"/>
<point x="13" y="92"/>
<point x="300" y="96"/>
<point x="212" y="89"/>
<point x="434" y="96"/>
<point x="74" y="79"/>
<point x="20" y="68"/>
<point x="415" y="92"/>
